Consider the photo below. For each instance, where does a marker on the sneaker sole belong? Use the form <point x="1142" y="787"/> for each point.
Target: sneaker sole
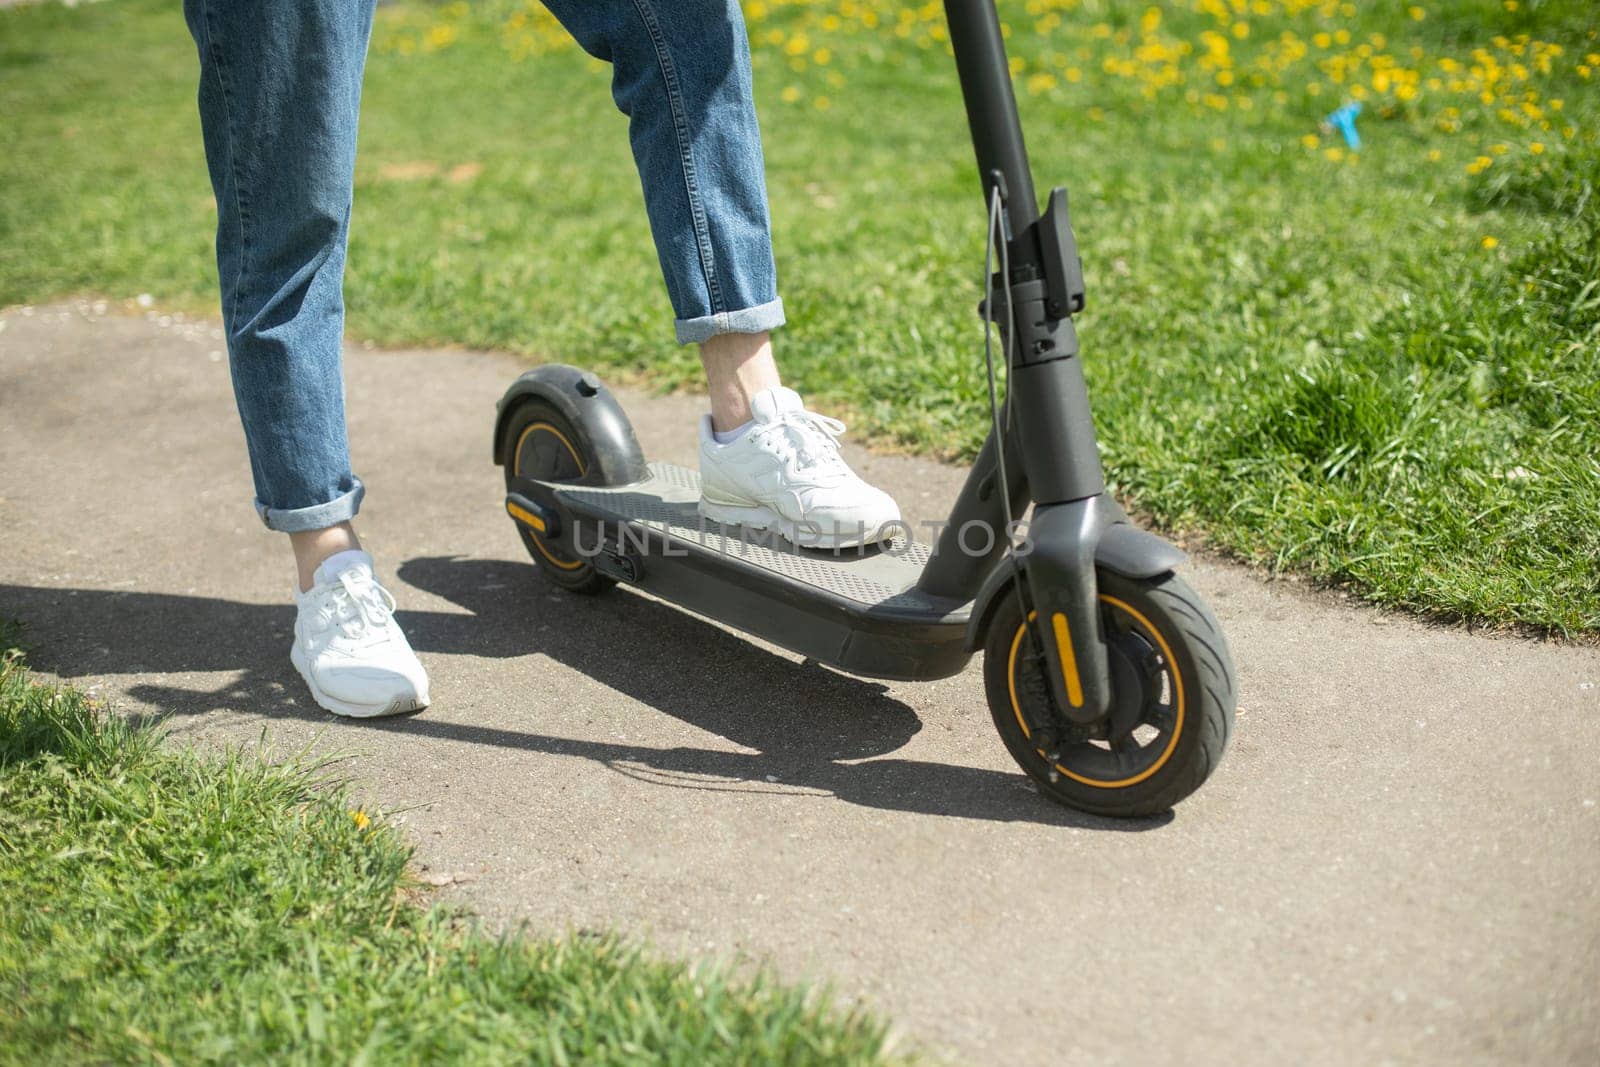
<point x="756" y="517"/>
<point x="348" y="710"/>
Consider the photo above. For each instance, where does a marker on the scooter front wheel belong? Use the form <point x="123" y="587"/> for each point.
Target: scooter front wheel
<point x="1173" y="694"/>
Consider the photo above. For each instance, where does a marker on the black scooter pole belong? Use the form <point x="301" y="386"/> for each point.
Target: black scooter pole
<point x="992" y="110"/>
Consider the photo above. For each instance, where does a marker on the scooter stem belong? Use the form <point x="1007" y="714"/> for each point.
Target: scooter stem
<point x="991" y="103"/>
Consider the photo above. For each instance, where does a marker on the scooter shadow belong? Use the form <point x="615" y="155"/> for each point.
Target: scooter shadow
<point x="806" y="725"/>
<point x="804" y="721"/>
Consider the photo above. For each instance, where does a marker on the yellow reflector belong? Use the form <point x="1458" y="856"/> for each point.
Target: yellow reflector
<point x="523" y="515"/>
<point x="1069" y="662"/>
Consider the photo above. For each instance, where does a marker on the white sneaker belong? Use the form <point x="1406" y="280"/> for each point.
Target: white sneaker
<point x="348" y="647"/>
<point x="785" y="473"/>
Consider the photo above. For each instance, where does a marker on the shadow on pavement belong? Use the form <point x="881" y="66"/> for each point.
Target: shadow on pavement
<point x="802" y="720"/>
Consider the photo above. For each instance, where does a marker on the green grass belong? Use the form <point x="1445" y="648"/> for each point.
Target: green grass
<point x="1381" y="373"/>
<point x="160" y="906"/>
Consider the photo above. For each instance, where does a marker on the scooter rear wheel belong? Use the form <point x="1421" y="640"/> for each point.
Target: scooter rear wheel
<point x="541" y="444"/>
<point x="1173" y="694"/>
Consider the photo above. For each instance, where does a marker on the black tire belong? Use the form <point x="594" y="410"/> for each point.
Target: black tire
<point x="1173" y="699"/>
<point x="540" y="443"/>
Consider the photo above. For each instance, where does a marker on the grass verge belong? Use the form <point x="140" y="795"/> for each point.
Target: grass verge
<point x="160" y="906"/>
<point x="1375" y="367"/>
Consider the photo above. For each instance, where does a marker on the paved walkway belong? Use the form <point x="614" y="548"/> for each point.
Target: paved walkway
<point x="1399" y="858"/>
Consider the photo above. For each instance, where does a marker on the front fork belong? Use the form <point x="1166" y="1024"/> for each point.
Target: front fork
<point x="1066" y="610"/>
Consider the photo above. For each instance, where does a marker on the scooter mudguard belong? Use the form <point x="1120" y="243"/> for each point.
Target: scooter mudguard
<point x="588" y="407"/>
<point x="1134" y="553"/>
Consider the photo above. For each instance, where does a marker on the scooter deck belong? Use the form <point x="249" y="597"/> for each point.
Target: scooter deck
<point x="854" y="608"/>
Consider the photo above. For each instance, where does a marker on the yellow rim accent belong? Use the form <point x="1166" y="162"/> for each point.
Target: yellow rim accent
<point x="1177" y="692"/>
<point x="577" y="457"/>
<point x="516" y="459"/>
<point x="525" y="516"/>
<point x="1069" y="660"/>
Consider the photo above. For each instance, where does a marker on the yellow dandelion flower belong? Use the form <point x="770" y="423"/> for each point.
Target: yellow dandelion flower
<point x="1433" y="155"/>
<point x="790" y="93"/>
<point x="1310" y="140"/>
<point x="822" y="103"/>
<point x="1498" y="149"/>
<point x="360" y="818"/>
<point x="1416" y="13"/>
<point x="1490" y="242"/>
<point x="441" y="36"/>
<point x="1333" y="154"/>
<point x="1479" y="165"/>
<point x="1537" y="148"/>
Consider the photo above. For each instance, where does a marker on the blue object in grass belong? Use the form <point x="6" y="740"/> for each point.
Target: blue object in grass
<point x="1344" y="120"/>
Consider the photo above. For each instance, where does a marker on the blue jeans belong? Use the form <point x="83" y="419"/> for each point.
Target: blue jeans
<point x="280" y="89"/>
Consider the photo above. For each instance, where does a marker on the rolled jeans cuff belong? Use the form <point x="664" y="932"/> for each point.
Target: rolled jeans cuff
<point x="315" y="517"/>
<point x="758" y="319"/>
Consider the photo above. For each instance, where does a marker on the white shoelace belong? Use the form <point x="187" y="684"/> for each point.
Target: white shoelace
<point x="359" y="606"/>
<point x="815" y="439"/>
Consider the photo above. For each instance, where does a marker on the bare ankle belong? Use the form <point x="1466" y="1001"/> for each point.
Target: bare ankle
<point x="311" y="547"/>
<point x="738" y="366"/>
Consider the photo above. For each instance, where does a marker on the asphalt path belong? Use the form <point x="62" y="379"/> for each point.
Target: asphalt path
<point x="1398" y="860"/>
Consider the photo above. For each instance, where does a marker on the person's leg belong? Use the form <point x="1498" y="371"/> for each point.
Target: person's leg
<point x="681" y="73"/>
<point x="280" y="89"/>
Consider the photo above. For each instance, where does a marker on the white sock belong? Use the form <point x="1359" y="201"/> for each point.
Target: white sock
<point x="732" y="435"/>
<point x="329" y="568"/>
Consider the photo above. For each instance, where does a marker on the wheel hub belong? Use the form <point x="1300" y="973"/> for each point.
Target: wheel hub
<point x="1124" y="741"/>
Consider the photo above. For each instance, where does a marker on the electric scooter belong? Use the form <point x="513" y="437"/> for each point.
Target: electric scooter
<point x="1108" y="678"/>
